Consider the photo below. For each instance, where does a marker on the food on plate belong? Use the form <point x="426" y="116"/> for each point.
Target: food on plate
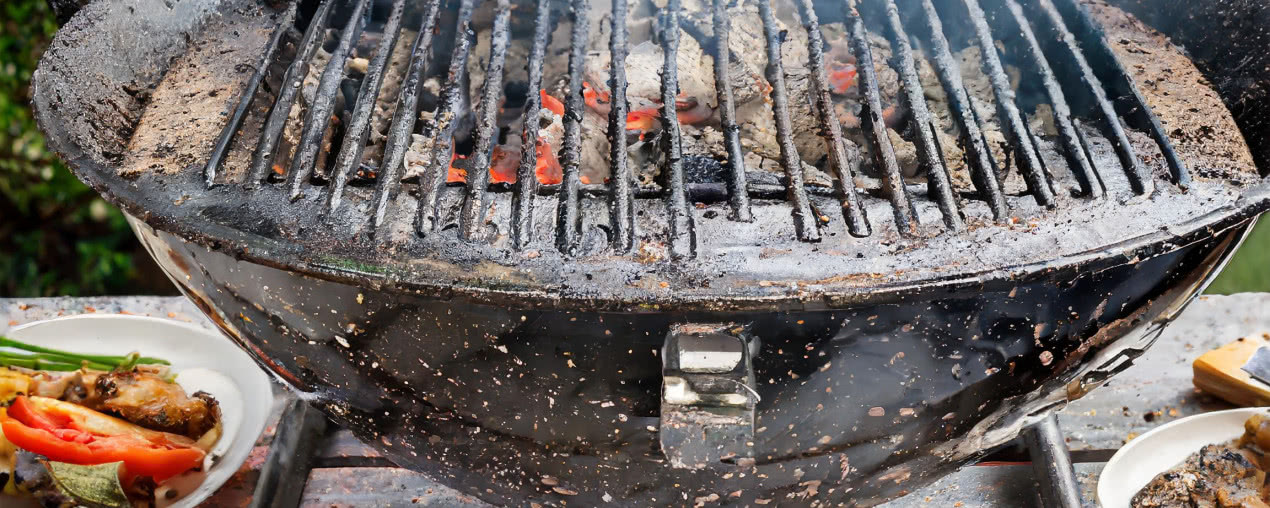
<point x="99" y="430"/>
<point x="1229" y="475"/>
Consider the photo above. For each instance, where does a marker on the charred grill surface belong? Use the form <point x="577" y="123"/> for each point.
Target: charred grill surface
<point x="473" y="218"/>
<point x="738" y="197"/>
<point x="526" y="181"/>
<point x="852" y="210"/>
<point x="403" y="121"/>
<point x="446" y="123"/>
<point x="873" y="122"/>
<point x="263" y="155"/>
<point x="926" y="119"/>
<point x="318" y="118"/>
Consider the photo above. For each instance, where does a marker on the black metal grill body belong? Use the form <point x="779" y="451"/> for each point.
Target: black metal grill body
<point x="857" y="405"/>
<point x="506" y="337"/>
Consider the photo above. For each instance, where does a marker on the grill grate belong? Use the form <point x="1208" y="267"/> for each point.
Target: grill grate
<point x="570" y="219"/>
<point x="738" y="198"/>
<point x="350" y="155"/>
<point x="473" y="214"/>
<point x="262" y="158"/>
<point x="914" y="98"/>
<point x="982" y="166"/>
<point x="526" y="182"/>
<point x="857" y="223"/>
<point x="403" y="120"/>
<point x="447" y="122"/>
<point x="1024" y="19"/>
<point x="621" y="215"/>
<point x="319" y="115"/>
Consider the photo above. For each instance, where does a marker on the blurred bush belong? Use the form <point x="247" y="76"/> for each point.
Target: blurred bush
<point x="1249" y="270"/>
<point x="57" y="236"/>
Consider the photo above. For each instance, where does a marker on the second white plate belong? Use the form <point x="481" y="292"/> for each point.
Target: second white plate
<point x="1157" y="451"/>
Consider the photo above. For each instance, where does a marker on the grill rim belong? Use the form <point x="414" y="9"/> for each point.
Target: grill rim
<point x="605" y="295"/>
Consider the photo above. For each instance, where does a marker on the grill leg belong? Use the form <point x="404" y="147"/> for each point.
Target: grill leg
<point x="286" y="469"/>
<point x="1052" y="465"/>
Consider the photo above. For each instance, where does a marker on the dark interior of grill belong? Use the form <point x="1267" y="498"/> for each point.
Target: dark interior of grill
<point x="902" y="134"/>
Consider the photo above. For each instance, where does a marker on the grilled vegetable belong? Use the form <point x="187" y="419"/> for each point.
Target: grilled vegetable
<point x="66" y="432"/>
<point x="90" y="485"/>
<point x="43" y="358"/>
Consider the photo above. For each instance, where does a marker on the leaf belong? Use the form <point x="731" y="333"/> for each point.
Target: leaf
<point x="96" y="486"/>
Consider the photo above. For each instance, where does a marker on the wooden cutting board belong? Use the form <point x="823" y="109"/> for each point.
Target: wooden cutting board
<point x="1218" y="372"/>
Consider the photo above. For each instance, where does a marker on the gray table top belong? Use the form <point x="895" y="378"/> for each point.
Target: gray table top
<point x="1155" y="390"/>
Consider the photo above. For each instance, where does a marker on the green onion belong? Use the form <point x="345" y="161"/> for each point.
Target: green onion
<point x="48" y="359"/>
<point x="54" y="359"/>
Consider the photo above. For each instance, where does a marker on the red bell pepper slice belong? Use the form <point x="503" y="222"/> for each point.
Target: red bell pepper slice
<point x="23" y="411"/>
<point x="28" y="428"/>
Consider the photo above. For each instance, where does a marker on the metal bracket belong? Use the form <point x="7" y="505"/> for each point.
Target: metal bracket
<point x="707" y="396"/>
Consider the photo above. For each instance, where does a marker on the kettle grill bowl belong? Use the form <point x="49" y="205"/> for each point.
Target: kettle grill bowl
<point x="859" y="404"/>
<point x="865" y="394"/>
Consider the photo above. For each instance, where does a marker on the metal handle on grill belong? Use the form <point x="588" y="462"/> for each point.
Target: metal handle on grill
<point x="708" y="396"/>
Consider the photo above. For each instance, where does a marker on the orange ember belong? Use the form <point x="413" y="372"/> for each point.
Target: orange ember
<point x="642" y="120"/>
<point x="505" y="163"/>
<point x="551" y="103"/>
<point x="842" y="79"/>
<point x="598" y="101"/>
<point x="502" y="167"/>
<point x="455" y="175"/>
<point x="547" y="169"/>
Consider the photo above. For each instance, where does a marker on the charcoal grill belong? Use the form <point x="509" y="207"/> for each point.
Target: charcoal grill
<point x="728" y="334"/>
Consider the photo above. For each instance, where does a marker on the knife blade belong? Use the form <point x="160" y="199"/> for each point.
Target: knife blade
<point x="1258" y="365"/>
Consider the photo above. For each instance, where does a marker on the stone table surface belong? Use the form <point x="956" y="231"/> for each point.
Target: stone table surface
<point x="1155" y="390"/>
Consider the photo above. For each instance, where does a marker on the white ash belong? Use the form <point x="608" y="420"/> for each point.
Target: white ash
<point x="386" y="102"/>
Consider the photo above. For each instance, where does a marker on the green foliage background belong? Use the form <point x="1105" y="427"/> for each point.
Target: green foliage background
<point x="57" y="237"/>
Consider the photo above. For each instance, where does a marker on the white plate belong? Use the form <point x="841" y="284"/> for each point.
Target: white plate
<point x="1135" y="464"/>
<point x="203" y="360"/>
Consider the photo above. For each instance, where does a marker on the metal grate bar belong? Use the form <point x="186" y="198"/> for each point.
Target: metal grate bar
<point x="875" y="126"/>
<point x="253" y="84"/>
<point x="738" y="198"/>
<point x="806" y="224"/>
<point x="447" y="121"/>
<point x="526" y="178"/>
<point x="1181" y="175"/>
<point x="1008" y="111"/>
<point x="403" y="118"/>
<point x="568" y="218"/>
<point x="262" y="157"/>
<point x="979" y="157"/>
<point x="319" y="115"/>
<point x="852" y="210"/>
<point x="350" y="156"/>
<point x="621" y="213"/>
<point x="472" y="218"/>
<point x="1086" y="173"/>
<point x="1139" y="180"/>
<point x="682" y="231"/>
<point x="914" y="98"/>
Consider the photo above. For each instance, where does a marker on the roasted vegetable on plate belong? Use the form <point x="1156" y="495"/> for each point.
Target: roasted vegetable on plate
<point x="99" y="430"/>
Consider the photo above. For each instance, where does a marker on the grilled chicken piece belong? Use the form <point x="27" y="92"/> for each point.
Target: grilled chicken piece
<point x="153" y="403"/>
<point x="138" y="396"/>
<point x="1218" y="476"/>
